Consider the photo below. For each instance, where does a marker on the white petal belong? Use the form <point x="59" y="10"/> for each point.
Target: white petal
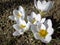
<point x="15" y="12"/>
<point x="43" y="20"/>
<point x="45" y="23"/>
<point x="33" y="14"/>
<point x="50" y="31"/>
<point x="47" y="39"/>
<point x="38" y="17"/>
<point x="21" y="21"/>
<point x="39" y="24"/>
<point x="49" y="22"/>
<point x="28" y="25"/>
<point x="46" y="5"/>
<point x="21" y="9"/>
<point x="11" y="17"/>
<point x="43" y="27"/>
<point x="49" y="5"/>
<point x="39" y="4"/>
<point x="15" y="26"/>
<point x="35" y="3"/>
<point x="16" y="33"/>
<point x="34" y="28"/>
<point x="29" y="18"/>
<point x="44" y="2"/>
<point x="37" y="36"/>
<point x="21" y="31"/>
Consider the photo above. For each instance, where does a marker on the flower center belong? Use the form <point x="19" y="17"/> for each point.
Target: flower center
<point x="22" y="26"/>
<point x="43" y="33"/>
<point x="19" y="15"/>
<point x="34" y="20"/>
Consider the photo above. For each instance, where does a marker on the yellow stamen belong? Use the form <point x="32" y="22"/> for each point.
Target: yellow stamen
<point x="22" y="26"/>
<point x="43" y="33"/>
<point x="19" y="15"/>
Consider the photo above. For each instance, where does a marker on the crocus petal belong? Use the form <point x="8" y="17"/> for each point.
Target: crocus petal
<point x="21" y="9"/>
<point x="15" y="12"/>
<point x="11" y="17"/>
<point x="28" y="25"/>
<point x="38" y="17"/>
<point x="49" y="22"/>
<point x="34" y="28"/>
<point x="36" y="36"/>
<point x="39" y="25"/>
<point x="43" y="27"/>
<point x="49" y="5"/>
<point x="39" y="6"/>
<point x="45" y="23"/>
<point x="15" y="26"/>
<point x="43" y="20"/>
<point x="44" y="2"/>
<point x="47" y="39"/>
<point x="29" y="18"/>
<point x="33" y="14"/>
<point x="16" y="33"/>
<point x="21" y="31"/>
<point x="35" y="3"/>
<point x="21" y="21"/>
<point x="50" y="31"/>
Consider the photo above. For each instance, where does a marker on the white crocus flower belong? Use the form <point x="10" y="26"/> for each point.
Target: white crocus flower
<point x="43" y="32"/>
<point x="33" y="18"/>
<point x="21" y="27"/>
<point x="17" y="14"/>
<point x="43" y="5"/>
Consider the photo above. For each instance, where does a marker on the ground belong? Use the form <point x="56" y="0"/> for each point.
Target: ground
<point x="6" y="29"/>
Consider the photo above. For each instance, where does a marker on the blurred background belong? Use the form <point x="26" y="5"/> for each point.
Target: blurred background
<point x="6" y="29"/>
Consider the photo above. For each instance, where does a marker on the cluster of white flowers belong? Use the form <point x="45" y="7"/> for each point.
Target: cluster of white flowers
<point x="40" y="27"/>
<point x="21" y="26"/>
